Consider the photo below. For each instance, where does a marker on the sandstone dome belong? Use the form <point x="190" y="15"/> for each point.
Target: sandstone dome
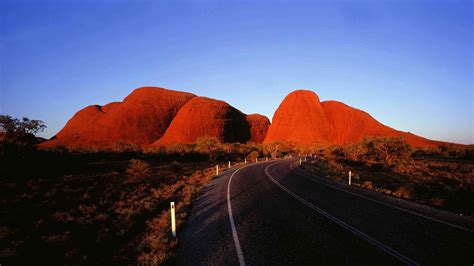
<point x="299" y="119"/>
<point x="302" y="119"/>
<point x="259" y="125"/>
<point x="141" y="118"/>
<point x="205" y="117"/>
<point x="351" y="125"/>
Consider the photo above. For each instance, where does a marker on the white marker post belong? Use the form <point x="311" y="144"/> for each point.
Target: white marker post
<point x="229" y="164"/>
<point x="217" y="170"/>
<point x="350" y="177"/>
<point x="300" y="161"/>
<point x="256" y="159"/>
<point x="245" y="160"/>
<point x="305" y="158"/>
<point x="173" y="222"/>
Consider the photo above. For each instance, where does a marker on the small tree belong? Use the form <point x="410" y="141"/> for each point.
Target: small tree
<point x="18" y="131"/>
<point x="208" y="145"/>
<point x="386" y="149"/>
<point x="273" y="148"/>
<point x="354" y="151"/>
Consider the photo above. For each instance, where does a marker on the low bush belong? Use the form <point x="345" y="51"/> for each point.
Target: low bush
<point x="137" y="171"/>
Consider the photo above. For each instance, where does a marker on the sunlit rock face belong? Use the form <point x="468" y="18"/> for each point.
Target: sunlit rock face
<point x="302" y="119"/>
<point x="299" y="119"/>
<point x="141" y="118"/>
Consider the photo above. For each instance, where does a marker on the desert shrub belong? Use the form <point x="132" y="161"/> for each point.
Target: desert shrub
<point x="155" y="247"/>
<point x="438" y="202"/>
<point x="137" y="171"/>
<point x="387" y="150"/>
<point x="456" y="151"/>
<point x="122" y="146"/>
<point x="175" y="167"/>
<point x="180" y="148"/>
<point x="403" y="192"/>
<point x="368" y="185"/>
<point x="273" y="149"/>
<point x="252" y="156"/>
<point x="337" y="151"/>
<point x="354" y="151"/>
<point x="208" y="145"/>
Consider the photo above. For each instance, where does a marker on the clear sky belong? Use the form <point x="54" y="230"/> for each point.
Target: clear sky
<point x="408" y="63"/>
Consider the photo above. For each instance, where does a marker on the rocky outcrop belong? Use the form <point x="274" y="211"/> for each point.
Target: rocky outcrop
<point x="258" y="127"/>
<point x="140" y="119"/>
<point x="205" y="117"/>
<point x="351" y="125"/>
<point x="299" y="119"/>
<point x="157" y="116"/>
<point x="302" y="119"/>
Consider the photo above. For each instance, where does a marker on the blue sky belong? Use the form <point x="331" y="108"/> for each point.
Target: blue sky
<point x="407" y="63"/>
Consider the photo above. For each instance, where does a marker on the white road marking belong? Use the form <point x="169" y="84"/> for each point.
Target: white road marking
<point x="355" y="231"/>
<point x="232" y="223"/>
<point x="383" y="203"/>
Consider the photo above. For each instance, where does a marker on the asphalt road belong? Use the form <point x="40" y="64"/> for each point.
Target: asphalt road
<point x="274" y="213"/>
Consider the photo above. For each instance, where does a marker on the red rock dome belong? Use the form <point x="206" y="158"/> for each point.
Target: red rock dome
<point x="302" y="119"/>
<point x="258" y="127"/>
<point x="299" y="119"/>
<point x="351" y="125"/>
<point x="141" y="118"/>
<point x="205" y="117"/>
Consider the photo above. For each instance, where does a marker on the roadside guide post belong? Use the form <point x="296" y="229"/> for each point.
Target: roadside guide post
<point x="173" y="221"/>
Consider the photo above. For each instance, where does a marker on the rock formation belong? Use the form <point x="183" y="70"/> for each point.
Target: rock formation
<point x="258" y="127"/>
<point x="351" y="125"/>
<point x="302" y="119"/>
<point x="157" y="116"/>
<point x="205" y="117"/>
<point x="141" y="118"/>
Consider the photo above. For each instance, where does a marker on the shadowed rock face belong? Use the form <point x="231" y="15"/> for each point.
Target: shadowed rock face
<point x="205" y="117"/>
<point x="141" y="118"/>
<point x="302" y="119"/>
<point x="258" y="127"/>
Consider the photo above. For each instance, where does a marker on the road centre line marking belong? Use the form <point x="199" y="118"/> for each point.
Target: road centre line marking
<point x="383" y="203"/>
<point x="355" y="231"/>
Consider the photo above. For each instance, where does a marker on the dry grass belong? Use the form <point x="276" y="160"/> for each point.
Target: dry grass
<point x="100" y="217"/>
<point x="447" y="185"/>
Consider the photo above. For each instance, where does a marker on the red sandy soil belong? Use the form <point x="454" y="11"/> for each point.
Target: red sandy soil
<point x="205" y="117"/>
<point x="141" y="118"/>
<point x="258" y="127"/>
<point x="302" y="119"/>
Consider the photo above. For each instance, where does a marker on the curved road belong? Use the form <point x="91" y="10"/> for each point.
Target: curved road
<point x="274" y="213"/>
